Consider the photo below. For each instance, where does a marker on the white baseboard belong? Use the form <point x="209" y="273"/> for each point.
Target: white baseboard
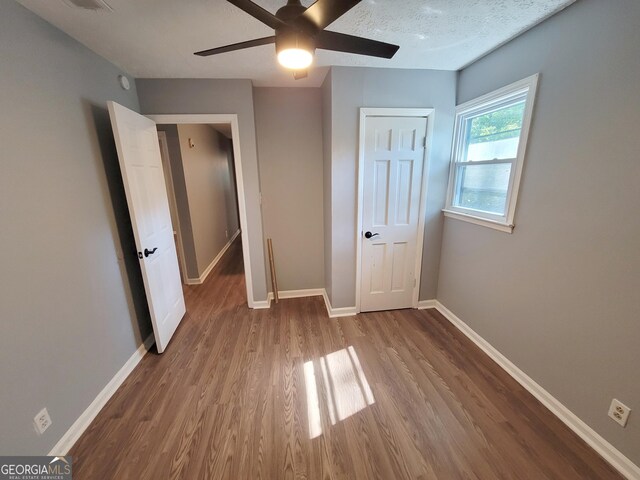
<point x="207" y="271"/>
<point x="607" y="451"/>
<point x="82" y="423"/>
<point x="337" y="312"/>
<point x="424" y="304"/>
<point x="282" y="294"/>
<point x="309" y="292"/>
<point x="261" y="304"/>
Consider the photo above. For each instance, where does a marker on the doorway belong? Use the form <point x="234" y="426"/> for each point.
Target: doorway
<point x="392" y="179"/>
<point x="200" y="176"/>
<point x="228" y="122"/>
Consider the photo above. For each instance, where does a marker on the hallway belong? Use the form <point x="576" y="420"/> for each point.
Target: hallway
<point x="289" y="393"/>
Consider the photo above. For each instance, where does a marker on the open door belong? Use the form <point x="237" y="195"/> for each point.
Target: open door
<point x="141" y="165"/>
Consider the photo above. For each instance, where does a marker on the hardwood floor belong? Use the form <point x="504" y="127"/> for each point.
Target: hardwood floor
<point x="289" y="393"/>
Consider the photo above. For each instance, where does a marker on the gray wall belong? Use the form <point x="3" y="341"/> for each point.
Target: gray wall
<point x="193" y="96"/>
<point x="230" y="187"/>
<point x="289" y="132"/>
<point x="326" y="179"/>
<point x="182" y="200"/>
<point x="559" y="296"/>
<point x="352" y="88"/>
<point x="69" y="319"/>
<point x="209" y="186"/>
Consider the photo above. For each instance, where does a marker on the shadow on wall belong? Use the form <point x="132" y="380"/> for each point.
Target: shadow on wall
<point x="98" y="116"/>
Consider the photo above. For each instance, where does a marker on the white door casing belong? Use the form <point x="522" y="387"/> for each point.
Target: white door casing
<point x="144" y="184"/>
<point x="393" y="165"/>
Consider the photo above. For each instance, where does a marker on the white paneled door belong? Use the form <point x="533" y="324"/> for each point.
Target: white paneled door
<point x="392" y="187"/>
<point x="141" y="165"/>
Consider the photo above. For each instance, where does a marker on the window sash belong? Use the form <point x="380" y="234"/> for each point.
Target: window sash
<point x="495" y="161"/>
<point x="493" y="106"/>
<point x="462" y="121"/>
<point x="457" y="185"/>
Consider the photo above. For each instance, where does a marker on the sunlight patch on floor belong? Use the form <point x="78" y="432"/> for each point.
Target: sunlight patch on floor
<point x="313" y="405"/>
<point x="346" y="387"/>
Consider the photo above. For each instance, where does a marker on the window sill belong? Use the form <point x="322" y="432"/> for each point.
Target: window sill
<point x="503" y="227"/>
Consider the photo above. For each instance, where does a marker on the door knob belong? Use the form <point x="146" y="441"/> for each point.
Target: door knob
<point x="149" y="252"/>
<point x="369" y="234"/>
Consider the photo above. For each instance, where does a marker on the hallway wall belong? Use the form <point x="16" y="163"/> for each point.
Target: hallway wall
<point x="210" y="191"/>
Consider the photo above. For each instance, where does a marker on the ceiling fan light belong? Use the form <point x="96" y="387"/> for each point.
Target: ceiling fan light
<point x="295" y="58"/>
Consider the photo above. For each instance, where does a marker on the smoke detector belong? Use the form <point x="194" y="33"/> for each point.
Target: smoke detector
<point x="95" y="5"/>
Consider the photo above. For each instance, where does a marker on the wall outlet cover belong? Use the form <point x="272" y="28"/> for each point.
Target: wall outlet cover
<point x="42" y="421"/>
<point x="619" y="412"/>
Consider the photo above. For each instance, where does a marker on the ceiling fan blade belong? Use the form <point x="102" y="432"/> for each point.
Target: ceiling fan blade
<point x="324" y="12"/>
<point x="341" y="42"/>
<point x="236" y="46"/>
<point x="298" y="74"/>
<point x="258" y="12"/>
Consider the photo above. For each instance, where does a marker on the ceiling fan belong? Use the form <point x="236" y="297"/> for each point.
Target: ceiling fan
<point x="299" y="31"/>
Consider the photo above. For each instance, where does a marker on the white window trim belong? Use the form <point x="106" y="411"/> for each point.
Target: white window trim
<point x="489" y="102"/>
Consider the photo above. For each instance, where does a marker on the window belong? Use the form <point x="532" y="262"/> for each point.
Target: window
<point x="489" y="144"/>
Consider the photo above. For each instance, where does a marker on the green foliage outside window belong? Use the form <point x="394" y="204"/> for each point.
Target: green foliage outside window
<point x="498" y="125"/>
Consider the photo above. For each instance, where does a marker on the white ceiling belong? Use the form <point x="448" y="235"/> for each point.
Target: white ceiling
<point x="157" y="38"/>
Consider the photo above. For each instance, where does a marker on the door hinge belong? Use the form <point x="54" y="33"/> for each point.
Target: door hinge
<point x="424" y="142"/>
<point x="415" y="282"/>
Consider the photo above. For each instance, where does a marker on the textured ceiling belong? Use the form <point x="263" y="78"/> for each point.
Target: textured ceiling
<point x="157" y="38"/>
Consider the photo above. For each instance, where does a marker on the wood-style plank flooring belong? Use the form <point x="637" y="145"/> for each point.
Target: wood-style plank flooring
<point x="289" y="393"/>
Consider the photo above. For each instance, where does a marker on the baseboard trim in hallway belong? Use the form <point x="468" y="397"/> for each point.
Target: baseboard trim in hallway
<point x="82" y="423"/>
<point x="200" y="280"/>
<point x="337" y="312"/>
<point x="309" y="292"/>
<point x="607" y="451"/>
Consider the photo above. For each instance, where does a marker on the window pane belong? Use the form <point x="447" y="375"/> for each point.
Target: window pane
<point x="494" y="135"/>
<point x="482" y="187"/>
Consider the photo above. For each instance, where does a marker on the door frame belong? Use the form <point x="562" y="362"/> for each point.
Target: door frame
<point x="232" y="119"/>
<point x="429" y="114"/>
<point x="164" y="152"/>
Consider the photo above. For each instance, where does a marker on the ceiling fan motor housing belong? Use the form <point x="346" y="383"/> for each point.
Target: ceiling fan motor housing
<point x="293" y="36"/>
<point x="289" y="38"/>
<point x="291" y="10"/>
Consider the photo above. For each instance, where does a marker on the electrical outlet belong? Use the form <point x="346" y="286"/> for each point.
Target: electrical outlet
<point x="42" y="421"/>
<point x="619" y="412"/>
